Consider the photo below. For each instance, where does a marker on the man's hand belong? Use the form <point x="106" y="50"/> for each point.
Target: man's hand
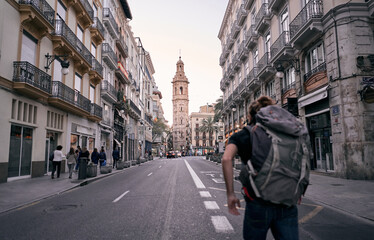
<point x="232" y="204"/>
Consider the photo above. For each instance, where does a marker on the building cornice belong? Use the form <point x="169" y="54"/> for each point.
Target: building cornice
<point x="225" y="18"/>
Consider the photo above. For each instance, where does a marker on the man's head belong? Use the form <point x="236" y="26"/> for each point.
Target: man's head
<point x="255" y="106"/>
<point x="59" y="147"/>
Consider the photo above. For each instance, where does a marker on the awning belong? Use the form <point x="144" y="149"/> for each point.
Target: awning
<point x="117" y="142"/>
<point x="313" y="97"/>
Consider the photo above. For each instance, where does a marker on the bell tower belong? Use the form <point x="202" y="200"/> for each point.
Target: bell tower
<point x="180" y="108"/>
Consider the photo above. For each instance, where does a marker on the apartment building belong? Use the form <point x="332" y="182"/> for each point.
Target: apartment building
<point x="314" y="58"/>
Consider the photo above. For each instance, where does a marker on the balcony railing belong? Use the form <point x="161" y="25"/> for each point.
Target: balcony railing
<point x="313" y="9"/>
<point x="71" y="96"/>
<point x="25" y="72"/>
<point x="106" y="50"/>
<point x="263" y="62"/>
<point x="96" y="66"/>
<point x="288" y="87"/>
<point x="42" y="7"/>
<point x="134" y="108"/>
<point x="252" y="78"/>
<point x="109" y="88"/>
<point x="88" y="8"/>
<point x="241" y="14"/>
<point x="107" y="15"/>
<point x="262" y="13"/>
<point x="319" y="68"/>
<point x="149" y="120"/>
<point x="251" y="37"/>
<point x="122" y="45"/>
<point x="61" y="29"/>
<point x="96" y="110"/>
<point x="97" y="24"/>
<point x="280" y="43"/>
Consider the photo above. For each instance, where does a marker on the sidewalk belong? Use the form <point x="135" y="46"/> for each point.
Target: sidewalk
<point x="352" y="196"/>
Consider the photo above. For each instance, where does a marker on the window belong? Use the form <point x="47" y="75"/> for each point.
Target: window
<point x="246" y="68"/>
<point x="255" y="57"/>
<point x="181" y="90"/>
<point x="257" y="94"/>
<point x="284" y="20"/>
<point x="93" y="50"/>
<point x="267" y="44"/>
<point x="61" y="11"/>
<point x="240" y="77"/>
<point x="95" y="10"/>
<point x="315" y="57"/>
<point x="289" y="78"/>
<point x="270" y="89"/>
<point x="77" y="82"/>
<point x="29" y="45"/>
<point x="92" y="93"/>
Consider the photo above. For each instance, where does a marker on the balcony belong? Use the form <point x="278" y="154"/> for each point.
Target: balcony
<point x="31" y="81"/>
<point x="243" y="51"/>
<point x="248" y="4"/>
<point x="252" y="80"/>
<point x="108" y="55"/>
<point x="235" y="30"/>
<point x="288" y="88"/>
<point x="236" y="62"/>
<point x="66" y="42"/>
<point x="251" y="37"/>
<point x="69" y="100"/>
<point x="134" y="110"/>
<point x="110" y="23"/>
<point x="108" y="92"/>
<point x="263" y="18"/>
<point x="222" y="60"/>
<point x="97" y="31"/>
<point x="229" y="42"/>
<point x="371" y="8"/>
<point x="149" y="120"/>
<point x="243" y="88"/>
<point x="96" y="114"/>
<point x="96" y="72"/>
<point x="84" y="12"/>
<point x="37" y="15"/>
<point x="276" y="5"/>
<point x="222" y="84"/>
<point x="122" y="47"/>
<point x="265" y="68"/>
<point x="241" y="15"/>
<point x="307" y="25"/>
<point x="122" y="74"/>
<point x="281" y="48"/>
<point x="230" y="72"/>
<point x="318" y="69"/>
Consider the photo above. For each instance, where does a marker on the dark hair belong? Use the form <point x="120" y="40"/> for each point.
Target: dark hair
<point x="95" y="149"/>
<point x="59" y="147"/>
<point x="71" y="151"/>
<point x="255" y="106"/>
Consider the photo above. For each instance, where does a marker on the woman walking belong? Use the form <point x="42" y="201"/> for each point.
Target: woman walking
<point x="71" y="158"/>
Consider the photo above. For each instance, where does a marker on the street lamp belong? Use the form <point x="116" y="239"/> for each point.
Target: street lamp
<point x="64" y="63"/>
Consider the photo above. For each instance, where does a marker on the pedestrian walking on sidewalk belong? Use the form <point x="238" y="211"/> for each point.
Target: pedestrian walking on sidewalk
<point x="58" y="156"/>
<point x="78" y="152"/>
<point x="102" y="157"/>
<point x="255" y="146"/>
<point x="115" y="155"/>
<point x="95" y="156"/>
<point x="71" y="158"/>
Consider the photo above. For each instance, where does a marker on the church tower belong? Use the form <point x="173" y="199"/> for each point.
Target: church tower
<point x="180" y="108"/>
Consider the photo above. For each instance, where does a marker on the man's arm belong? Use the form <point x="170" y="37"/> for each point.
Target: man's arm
<point x="232" y="201"/>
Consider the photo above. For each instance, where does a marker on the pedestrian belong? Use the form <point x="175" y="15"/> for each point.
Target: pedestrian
<point x="78" y="152"/>
<point x="95" y="156"/>
<point x="71" y="158"/>
<point x="260" y="215"/>
<point x="84" y="155"/>
<point x="115" y="155"/>
<point x="102" y="157"/>
<point x="58" y="156"/>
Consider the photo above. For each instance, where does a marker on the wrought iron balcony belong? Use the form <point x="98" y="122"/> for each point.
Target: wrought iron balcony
<point x="263" y="18"/>
<point x="281" y="48"/>
<point x="251" y="37"/>
<point x="96" y="72"/>
<point x="276" y="5"/>
<point x="242" y="88"/>
<point x="223" y="84"/>
<point x="307" y="25"/>
<point x="264" y="66"/>
<point x="319" y="68"/>
<point x="230" y="41"/>
<point x="241" y="15"/>
<point x="64" y="33"/>
<point x="122" y="74"/>
<point x="134" y="109"/>
<point x="30" y="80"/>
<point x="243" y="51"/>
<point x="122" y="46"/>
<point x="149" y="120"/>
<point x="88" y="8"/>
<point x="235" y="29"/>
<point x="110" y="23"/>
<point x="252" y="79"/>
<point x="108" y="55"/>
<point x="108" y="92"/>
<point x="248" y="4"/>
<point x="96" y="112"/>
<point x="69" y="99"/>
<point x="97" y="31"/>
<point x="236" y="62"/>
<point x="288" y="87"/>
<point x="84" y="12"/>
<point x="43" y="12"/>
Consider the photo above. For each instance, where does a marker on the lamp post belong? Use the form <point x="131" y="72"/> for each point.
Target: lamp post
<point x="64" y="63"/>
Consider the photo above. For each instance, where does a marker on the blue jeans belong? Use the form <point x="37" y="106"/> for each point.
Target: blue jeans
<point x="259" y="217"/>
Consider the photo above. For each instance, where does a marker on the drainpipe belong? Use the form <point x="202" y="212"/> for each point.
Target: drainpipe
<point x="337" y="45"/>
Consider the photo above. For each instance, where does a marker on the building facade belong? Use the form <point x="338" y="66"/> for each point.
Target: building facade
<point x="314" y="58"/>
<point x="180" y="108"/>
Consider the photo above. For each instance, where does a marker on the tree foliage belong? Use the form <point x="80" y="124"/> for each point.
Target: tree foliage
<point x="158" y="129"/>
<point x="218" y="109"/>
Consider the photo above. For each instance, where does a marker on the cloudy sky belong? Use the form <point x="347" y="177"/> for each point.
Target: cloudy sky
<point x="168" y="26"/>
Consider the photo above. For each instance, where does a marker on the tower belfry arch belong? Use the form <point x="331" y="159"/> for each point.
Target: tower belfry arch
<point x="180" y="107"/>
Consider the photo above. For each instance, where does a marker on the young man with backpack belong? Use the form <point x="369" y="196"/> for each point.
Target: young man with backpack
<point x="275" y="151"/>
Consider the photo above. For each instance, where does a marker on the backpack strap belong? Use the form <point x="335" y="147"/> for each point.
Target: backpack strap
<point x="303" y="162"/>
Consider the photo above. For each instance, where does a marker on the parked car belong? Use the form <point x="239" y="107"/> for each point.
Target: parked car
<point x="178" y="154"/>
<point x="170" y="154"/>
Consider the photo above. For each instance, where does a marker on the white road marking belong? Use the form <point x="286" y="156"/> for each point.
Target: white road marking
<point x="211" y="205"/>
<point x="218" y="180"/>
<point x="221" y="224"/>
<point x="119" y="198"/>
<point x="196" y="179"/>
<point x="149" y="174"/>
<point x="159" y="167"/>
<point x="205" y="194"/>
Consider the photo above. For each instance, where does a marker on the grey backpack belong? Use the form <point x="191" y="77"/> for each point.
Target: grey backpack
<point x="284" y="176"/>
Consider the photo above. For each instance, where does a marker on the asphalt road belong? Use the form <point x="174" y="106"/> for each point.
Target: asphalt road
<point x="181" y="198"/>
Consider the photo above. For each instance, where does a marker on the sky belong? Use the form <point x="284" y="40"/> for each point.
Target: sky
<point x="168" y="27"/>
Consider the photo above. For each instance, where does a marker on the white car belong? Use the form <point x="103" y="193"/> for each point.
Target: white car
<point x="178" y="154"/>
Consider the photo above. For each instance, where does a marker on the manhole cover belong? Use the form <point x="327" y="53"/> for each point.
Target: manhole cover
<point x="337" y="184"/>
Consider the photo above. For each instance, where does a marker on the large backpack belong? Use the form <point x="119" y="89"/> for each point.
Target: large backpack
<point x="284" y="176"/>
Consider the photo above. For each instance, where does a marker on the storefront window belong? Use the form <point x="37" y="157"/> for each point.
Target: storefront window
<point x="74" y="141"/>
<point x="91" y="144"/>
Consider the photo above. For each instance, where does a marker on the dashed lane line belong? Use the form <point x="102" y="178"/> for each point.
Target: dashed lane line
<point x="196" y="179"/>
<point x="221" y="224"/>
<point x="119" y="198"/>
<point x="205" y="194"/>
<point x="149" y="174"/>
<point x="211" y="205"/>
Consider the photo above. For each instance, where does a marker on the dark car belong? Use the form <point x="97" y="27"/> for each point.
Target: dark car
<point x="170" y="154"/>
